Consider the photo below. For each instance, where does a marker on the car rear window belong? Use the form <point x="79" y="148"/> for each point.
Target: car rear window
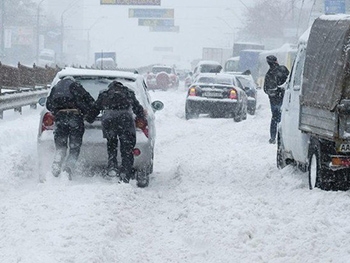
<point x="94" y="85"/>
<point x="161" y="69"/>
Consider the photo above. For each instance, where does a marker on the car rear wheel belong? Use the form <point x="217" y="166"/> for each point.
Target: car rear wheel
<point x="190" y="114"/>
<point x="251" y="110"/>
<point x="142" y="176"/>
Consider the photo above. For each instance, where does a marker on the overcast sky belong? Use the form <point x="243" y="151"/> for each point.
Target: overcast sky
<point x="202" y="23"/>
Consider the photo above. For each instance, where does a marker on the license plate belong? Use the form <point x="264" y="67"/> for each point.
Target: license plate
<point x="344" y="147"/>
<point x="212" y="94"/>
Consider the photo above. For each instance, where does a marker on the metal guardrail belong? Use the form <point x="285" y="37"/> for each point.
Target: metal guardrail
<point x="23" y="79"/>
<point x="20" y="98"/>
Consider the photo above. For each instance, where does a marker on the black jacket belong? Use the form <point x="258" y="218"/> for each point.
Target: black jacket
<point x="275" y="76"/>
<point x="68" y="94"/>
<point x="118" y="98"/>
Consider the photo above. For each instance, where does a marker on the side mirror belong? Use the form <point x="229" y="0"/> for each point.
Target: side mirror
<point x="157" y="105"/>
<point x="42" y="101"/>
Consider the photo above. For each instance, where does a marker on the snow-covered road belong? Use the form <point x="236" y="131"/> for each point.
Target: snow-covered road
<point x="215" y="196"/>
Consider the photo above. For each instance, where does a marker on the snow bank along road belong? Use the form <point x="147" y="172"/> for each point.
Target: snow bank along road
<point x="215" y="196"/>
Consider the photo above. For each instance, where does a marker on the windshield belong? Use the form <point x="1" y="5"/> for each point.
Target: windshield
<point x="217" y="80"/>
<point x="210" y="68"/>
<point x="161" y="69"/>
<point x="246" y="82"/>
<point x="94" y="85"/>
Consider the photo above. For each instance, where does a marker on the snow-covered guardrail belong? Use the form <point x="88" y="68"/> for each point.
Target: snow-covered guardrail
<point x="17" y="99"/>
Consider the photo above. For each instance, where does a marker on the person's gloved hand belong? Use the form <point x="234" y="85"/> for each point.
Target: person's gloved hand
<point x="141" y="123"/>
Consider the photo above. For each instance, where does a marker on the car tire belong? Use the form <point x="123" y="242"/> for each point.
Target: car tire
<point x="314" y="170"/>
<point x="244" y="117"/>
<point x="142" y="177"/>
<point x="316" y="173"/>
<point x="251" y="111"/>
<point x="237" y="117"/>
<point x="189" y="114"/>
<point x="280" y="160"/>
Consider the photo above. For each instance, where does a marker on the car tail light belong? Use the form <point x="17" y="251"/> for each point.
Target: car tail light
<point x="192" y="92"/>
<point x="233" y="94"/>
<point x="48" y="122"/>
<point x="340" y="161"/>
<point x="136" y="152"/>
<point x="142" y="124"/>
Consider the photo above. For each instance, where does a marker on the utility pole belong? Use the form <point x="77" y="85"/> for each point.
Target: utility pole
<point x="37" y="31"/>
<point x="2" y="28"/>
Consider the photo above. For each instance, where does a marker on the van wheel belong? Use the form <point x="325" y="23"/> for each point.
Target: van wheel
<point x="280" y="160"/>
<point x="315" y="170"/>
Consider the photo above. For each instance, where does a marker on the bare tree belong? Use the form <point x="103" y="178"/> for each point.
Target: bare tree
<point x="266" y="19"/>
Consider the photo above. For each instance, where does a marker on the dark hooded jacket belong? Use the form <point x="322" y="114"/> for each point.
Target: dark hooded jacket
<point x="275" y="76"/>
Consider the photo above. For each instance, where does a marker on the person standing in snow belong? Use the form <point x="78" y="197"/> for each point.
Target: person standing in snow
<point x="274" y="78"/>
<point x="118" y="104"/>
<point x="69" y="102"/>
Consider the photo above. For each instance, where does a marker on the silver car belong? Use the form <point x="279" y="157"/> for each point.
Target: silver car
<point x="94" y="148"/>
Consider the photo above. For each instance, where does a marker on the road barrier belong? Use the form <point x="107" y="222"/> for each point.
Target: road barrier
<point x="29" y="84"/>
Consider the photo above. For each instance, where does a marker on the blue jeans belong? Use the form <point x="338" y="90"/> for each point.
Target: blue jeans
<point x="275" y="119"/>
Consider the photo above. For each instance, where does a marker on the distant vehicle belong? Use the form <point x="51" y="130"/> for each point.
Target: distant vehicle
<point x="232" y="64"/>
<point x="105" y="60"/>
<point x="239" y="46"/>
<point x="182" y="73"/>
<point x="94" y="148"/>
<point x="250" y="88"/>
<point x="249" y="60"/>
<point x="105" y="63"/>
<point x="216" y="54"/>
<point x="314" y="133"/>
<point x="47" y="57"/>
<point x="162" y="77"/>
<point x="205" y="66"/>
<point x="216" y="95"/>
<point x="285" y="56"/>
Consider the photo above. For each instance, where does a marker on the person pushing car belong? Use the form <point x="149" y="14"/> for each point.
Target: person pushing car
<point x="118" y="104"/>
<point x="69" y="102"/>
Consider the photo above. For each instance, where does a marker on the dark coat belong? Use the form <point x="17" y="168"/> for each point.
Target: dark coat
<point x="275" y="76"/>
<point x="116" y="102"/>
<point x="68" y="94"/>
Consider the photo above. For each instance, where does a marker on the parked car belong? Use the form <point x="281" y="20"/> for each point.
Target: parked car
<point x="314" y="133"/>
<point x="218" y="95"/>
<point x="250" y="88"/>
<point x="94" y="149"/>
<point x="162" y="77"/>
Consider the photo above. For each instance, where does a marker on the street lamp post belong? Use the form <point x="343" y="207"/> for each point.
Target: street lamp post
<point x="233" y="30"/>
<point x="62" y="29"/>
<point x="37" y="30"/>
<point x="2" y="28"/>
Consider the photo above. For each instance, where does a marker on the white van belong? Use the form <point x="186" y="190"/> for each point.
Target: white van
<point x="314" y="132"/>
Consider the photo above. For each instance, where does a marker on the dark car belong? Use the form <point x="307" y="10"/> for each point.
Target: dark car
<point x="218" y="95"/>
<point x="250" y="89"/>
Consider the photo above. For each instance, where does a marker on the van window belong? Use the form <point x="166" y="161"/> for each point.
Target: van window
<point x="299" y="69"/>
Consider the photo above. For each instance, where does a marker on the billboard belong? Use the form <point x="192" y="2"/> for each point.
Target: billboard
<point x="175" y="29"/>
<point x="151" y="13"/>
<point x="130" y="2"/>
<point x="334" y="6"/>
<point x="156" y="22"/>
